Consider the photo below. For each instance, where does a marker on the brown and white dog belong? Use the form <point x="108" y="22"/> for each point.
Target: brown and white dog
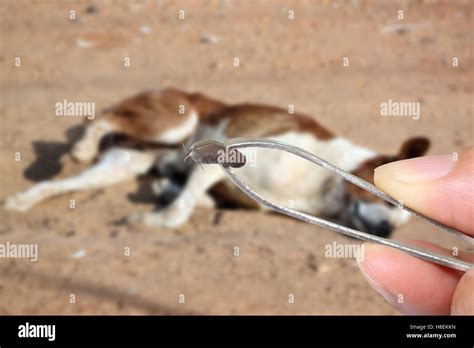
<point x="146" y="132"/>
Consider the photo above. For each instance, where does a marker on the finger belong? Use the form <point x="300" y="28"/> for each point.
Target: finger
<point x="411" y="285"/>
<point x="441" y="187"/>
<point x="463" y="300"/>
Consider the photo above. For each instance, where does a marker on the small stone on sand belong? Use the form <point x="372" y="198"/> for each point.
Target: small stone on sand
<point x="84" y="43"/>
<point x="145" y="29"/>
<point x="79" y="254"/>
<point x="91" y="9"/>
<point x="210" y="39"/>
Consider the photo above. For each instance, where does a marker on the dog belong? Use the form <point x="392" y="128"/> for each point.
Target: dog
<point x="146" y="132"/>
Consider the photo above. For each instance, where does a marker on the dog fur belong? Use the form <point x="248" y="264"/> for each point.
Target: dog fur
<point x="146" y="132"/>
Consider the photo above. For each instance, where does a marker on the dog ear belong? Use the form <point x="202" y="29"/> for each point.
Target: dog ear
<point x="414" y="147"/>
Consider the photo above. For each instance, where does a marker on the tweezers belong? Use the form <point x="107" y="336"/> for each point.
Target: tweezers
<point x="210" y="152"/>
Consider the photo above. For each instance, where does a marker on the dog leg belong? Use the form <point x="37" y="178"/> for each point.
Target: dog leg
<point x="165" y="188"/>
<point x="115" y="166"/>
<point x="178" y="212"/>
<point x="206" y="201"/>
<point x="87" y="148"/>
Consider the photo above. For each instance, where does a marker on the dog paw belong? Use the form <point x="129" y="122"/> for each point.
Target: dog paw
<point x="18" y="202"/>
<point x="168" y="218"/>
<point x="135" y="219"/>
<point x="206" y="201"/>
<point x="82" y="153"/>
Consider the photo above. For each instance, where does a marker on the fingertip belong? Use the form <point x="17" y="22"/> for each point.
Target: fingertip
<point x="437" y="186"/>
<point x="371" y="271"/>
<point x="410" y="285"/>
<point x="402" y="181"/>
<point x="463" y="299"/>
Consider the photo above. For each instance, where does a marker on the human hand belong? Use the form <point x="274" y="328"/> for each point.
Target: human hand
<point x="442" y="188"/>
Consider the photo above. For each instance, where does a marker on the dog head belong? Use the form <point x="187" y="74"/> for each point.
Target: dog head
<point x="366" y="212"/>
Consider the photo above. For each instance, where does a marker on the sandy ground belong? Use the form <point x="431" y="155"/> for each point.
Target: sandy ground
<point x="282" y="62"/>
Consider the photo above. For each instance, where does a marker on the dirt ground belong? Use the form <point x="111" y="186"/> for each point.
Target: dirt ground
<point x="282" y="62"/>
